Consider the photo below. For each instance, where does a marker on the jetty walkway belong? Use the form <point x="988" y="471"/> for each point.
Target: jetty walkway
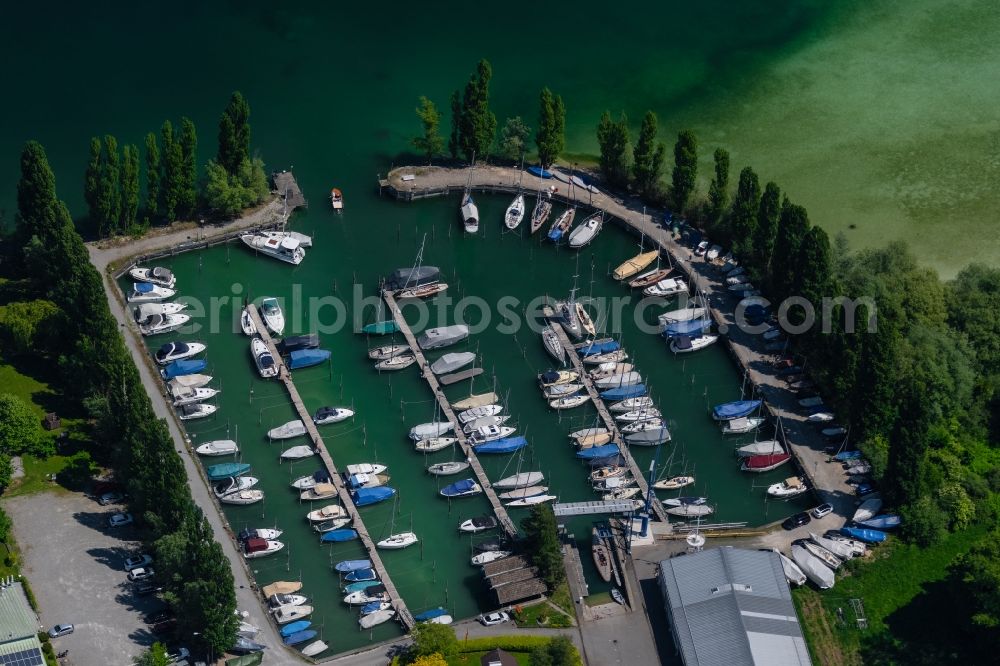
<point x="498" y="508"/>
<point x="602" y="410"/>
<point x="806" y="445"/>
<point x="402" y="612"/>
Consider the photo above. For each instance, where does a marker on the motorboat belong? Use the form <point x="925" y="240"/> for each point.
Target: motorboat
<point x="398" y="541"/>
<point x="521" y="493"/>
<point x="842" y="550"/>
<point x="820" y="417"/>
<point x="388" y="351"/>
<point x="328" y="415"/>
<point x="432" y="429"/>
<point x="399" y="362"/>
<point x="297" y="452"/>
<point x="561" y="225"/>
<point x="337" y="203"/>
<point x="469" y="214"/>
<point x="610" y="369"/>
<point x="813" y="567"/>
<point x="286" y="614"/>
<point x="631" y="267"/>
<point x="303" y="239"/>
<point x="764" y="463"/>
<point x="224" y="470"/>
<point x="275" y="245"/>
<point x="328" y="512"/>
<point x="587" y="231"/>
<point x="553" y="377"/>
<point x="157" y="275"/>
<point x="622" y="379"/>
<point x="266" y="367"/>
<point x="470" y="415"/>
<point x="365" y="468"/>
<point x="482" y="559"/>
<point x="246" y="323"/>
<point x="550" y="339"/>
<point x="864" y="534"/>
<point x="741" y="425"/>
<point x="176" y="369"/>
<point x="484" y="422"/>
<point x="519" y="480"/>
<point x="701" y="249"/>
<point x="560" y="390"/>
<point x="319" y="491"/>
<point x="315" y="648"/>
<point x="631" y="404"/>
<point x="147" y="292"/>
<point x="366" y="596"/>
<point x="305" y="358"/>
<point x="568" y="401"/>
<point x="793" y="574"/>
<point x="359" y="575"/>
<point x="463" y="488"/>
<point x="432" y="444"/>
<point x="287" y="430"/>
<point x="256" y="547"/>
<point x="310" y="480"/>
<point x="376" y="618"/>
<point x="649" y="278"/>
<point x="443" y="336"/>
<point x="448" y="468"/>
<point x="188" y="381"/>
<point x="690" y="510"/>
<point x="234" y="484"/>
<point x="733" y="410"/>
<point x="146" y="310"/>
<point x="159" y="324"/>
<point x="667" y="287"/>
<point x="684" y="344"/>
<point x="644" y="414"/>
<point x="369" y="496"/>
<point x="270" y="533"/>
<point x="601" y="554"/>
<point x="452" y="362"/>
<point x="615" y="356"/>
<point x="790" y="487"/>
<point x="478" y="524"/>
<point x="515" y="212"/>
<point x="273" y="317"/>
<point x="243" y="497"/>
<point x="690" y="311"/>
<point x="867" y="510"/>
<point x="822" y="554"/>
<point x="674" y="483"/>
<point x="424" y="291"/>
<point x="195" y="410"/>
<point x="490" y="433"/>
<point x="176" y="351"/>
<point x="541" y="212"/>
<point x="218" y="447"/>
<point x="364" y="480"/>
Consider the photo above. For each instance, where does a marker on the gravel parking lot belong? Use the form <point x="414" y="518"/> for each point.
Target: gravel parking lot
<point x="74" y="563"/>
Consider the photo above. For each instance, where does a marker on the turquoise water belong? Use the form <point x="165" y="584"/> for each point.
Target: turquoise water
<point x="369" y="240"/>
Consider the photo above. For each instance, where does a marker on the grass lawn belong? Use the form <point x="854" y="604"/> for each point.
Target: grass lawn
<point x="598" y="598"/>
<point x="905" y="602"/>
<point x="474" y="658"/>
<point x="529" y="615"/>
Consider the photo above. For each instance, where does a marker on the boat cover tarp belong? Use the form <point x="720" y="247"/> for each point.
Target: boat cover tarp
<point x="381" y="328"/>
<point x="303" y="358"/>
<point x="430" y="614"/>
<point x="599" y="451"/>
<point x="366" y="496"/>
<point x="143" y="287"/>
<point x="282" y="587"/>
<point x="539" y="171"/>
<point x="689" y="327"/>
<point x="864" y="534"/>
<point x="595" y="348"/>
<point x="184" y="366"/>
<point x="505" y="445"/>
<point x="346" y="566"/>
<point x="296" y="342"/>
<point x="225" y="470"/>
<point x="252" y="659"/>
<point x="300" y="637"/>
<point x="336" y="536"/>
<point x="459" y="487"/>
<point x="886" y="521"/>
<point x="295" y="627"/>
<point x="402" y="278"/>
<point x="624" y="392"/>
<point x="734" y="410"/>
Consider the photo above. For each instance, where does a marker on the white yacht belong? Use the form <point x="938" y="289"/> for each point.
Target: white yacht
<point x="274" y="318"/>
<point x="263" y="358"/>
<point x="279" y="246"/>
<point x="147" y="292"/>
<point x="157" y="324"/>
<point x="156" y="275"/>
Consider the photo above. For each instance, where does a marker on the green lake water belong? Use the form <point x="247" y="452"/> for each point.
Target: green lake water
<point x="491" y="266"/>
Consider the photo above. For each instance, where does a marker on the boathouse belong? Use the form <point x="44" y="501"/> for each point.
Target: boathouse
<point x="732" y="606"/>
<point x="513" y="579"/>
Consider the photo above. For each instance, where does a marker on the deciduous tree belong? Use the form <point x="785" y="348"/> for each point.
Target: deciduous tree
<point x="430" y="639"/>
<point x="718" y="190"/>
<point x="129" y="188"/>
<point x="550" y="137"/>
<point x="616" y="148"/>
<point x="153" y="169"/>
<point x="647" y="157"/>
<point x="685" y="172"/>
<point x="20" y="428"/>
<point x="429" y="142"/>
<point x="514" y="138"/>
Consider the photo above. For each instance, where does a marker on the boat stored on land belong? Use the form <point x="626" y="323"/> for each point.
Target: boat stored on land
<point x="813" y="567"/>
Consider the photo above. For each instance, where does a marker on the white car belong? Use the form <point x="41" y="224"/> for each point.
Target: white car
<point x="137" y="561"/>
<point x="120" y="519"/>
<point x="489" y="619"/>
<point x="140" y="573"/>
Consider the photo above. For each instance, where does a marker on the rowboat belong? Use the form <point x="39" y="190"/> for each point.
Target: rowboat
<point x="649" y="278"/>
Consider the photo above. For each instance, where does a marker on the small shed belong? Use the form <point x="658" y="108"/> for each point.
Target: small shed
<point x="497" y="658"/>
<point x="51" y="421"/>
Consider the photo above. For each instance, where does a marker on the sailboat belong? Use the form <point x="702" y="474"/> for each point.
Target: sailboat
<point x="553" y="345"/>
<point x="632" y="266"/>
<point x="562" y="225"/>
<point x="587" y="232"/>
<point x="569" y="315"/>
<point x="468" y="210"/>
<point x="515" y="212"/>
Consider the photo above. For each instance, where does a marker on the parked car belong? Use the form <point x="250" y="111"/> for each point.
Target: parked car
<point x="110" y="498"/>
<point x="158" y="616"/>
<point x="489" y="619"/>
<point x="164" y="627"/>
<point x="61" y="630"/>
<point x="822" y="510"/>
<point x="140" y="573"/>
<point x="137" y="561"/>
<point x="120" y="519"/>
<point x="797" y="520"/>
<point x="147" y="587"/>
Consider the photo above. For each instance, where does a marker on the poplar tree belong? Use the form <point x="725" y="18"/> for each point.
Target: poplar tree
<point x="430" y="142"/>
<point x="152" y="176"/>
<point x="647" y="157"/>
<point x="188" y="186"/>
<point x="743" y="219"/>
<point x="109" y="200"/>
<point x="478" y="124"/>
<point x="455" y="138"/>
<point x="92" y="180"/>
<point x="550" y="137"/>
<point x="685" y="174"/>
<point x="718" y="190"/>
<point x="792" y="227"/>
<point x="616" y="148"/>
<point x="768" y="214"/>
<point x="172" y="164"/>
<point x="234" y="134"/>
<point x="129" y="188"/>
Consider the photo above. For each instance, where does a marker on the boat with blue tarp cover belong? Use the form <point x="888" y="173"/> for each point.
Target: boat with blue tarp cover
<point x="430" y="614"/>
<point x="864" y="534"/>
<point x="539" y="172"/>
<point x="624" y="392"/>
<point x="183" y="367"/>
<point x="689" y="327"/>
<point x="338" y="536"/>
<point x="360" y="575"/>
<point x="361" y="585"/>
<point x="886" y="521"/>
<point x="300" y="637"/>
<point x="347" y="566"/>
<point x="595" y="348"/>
<point x="295" y="627"/>
<point x="505" y="445"/>
<point x="303" y="358"/>
<point x="463" y="488"/>
<point x="369" y="496"/>
<point x="381" y="328"/>
<point x="734" y="410"/>
<point x="226" y="470"/>
<point x="602" y="451"/>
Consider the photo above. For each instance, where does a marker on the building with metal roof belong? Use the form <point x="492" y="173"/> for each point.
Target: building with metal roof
<point x="19" y="645"/>
<point x="732" y="607"/>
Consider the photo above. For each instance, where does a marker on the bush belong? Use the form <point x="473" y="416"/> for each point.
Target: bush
<point x="508" y="643"/>
<point x="924" y="523"/>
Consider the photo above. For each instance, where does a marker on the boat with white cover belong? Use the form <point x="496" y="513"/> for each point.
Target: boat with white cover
<point x="793" y="574"/>
<point x="452" y="362"/>
<point x="243" y="497"/>
<point x="432" y="444"/>
<point x="587" y="231"/>
<point x="519" y="480"/>
<point x="470" y="415"/>
<point x="287" y="430"/>
<point x="297" y="452"/>
<point x="442" y="336"/>
<point x="218" y="447"/>
<point x="742" y="425"/>
<point x="432" y="429"/>
<point x="448" y="468"/>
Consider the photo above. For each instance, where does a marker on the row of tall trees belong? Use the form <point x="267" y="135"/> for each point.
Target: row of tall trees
<point x="233" y="181"/>
<point x="97" y="370"/>
<point x="474" y="125"/>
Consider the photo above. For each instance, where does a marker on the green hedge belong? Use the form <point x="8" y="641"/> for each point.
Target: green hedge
<point x="508" y="643"/>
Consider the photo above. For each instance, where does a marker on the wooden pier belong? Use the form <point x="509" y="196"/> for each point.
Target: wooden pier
<point x="602" y="410"/>
<point x="285" y="376"/>
<point x="288" y="188"/>
<point x="425" y="369"/>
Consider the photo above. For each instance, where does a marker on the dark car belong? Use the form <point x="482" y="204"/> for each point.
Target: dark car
<point x="147" y="587"/>
<point x="158" y="616"/>
<point x="797" y="520"/>
<point x="164" y="627"/>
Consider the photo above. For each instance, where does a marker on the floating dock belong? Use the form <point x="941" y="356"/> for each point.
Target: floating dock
<point x="402" y="612"/>
<point x="425" y="369"/>
<point x="602" y="411"/>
